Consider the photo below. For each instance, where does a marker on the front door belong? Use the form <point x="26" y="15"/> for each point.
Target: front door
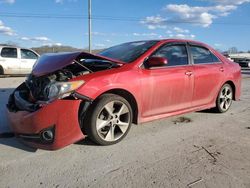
<point x="170" y="88"/>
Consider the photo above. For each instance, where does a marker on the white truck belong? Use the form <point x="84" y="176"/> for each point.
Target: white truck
<point x="15" y="60"/>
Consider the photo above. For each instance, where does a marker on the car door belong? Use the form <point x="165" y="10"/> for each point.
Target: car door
<point x="9" y="60"/>
<point x="208" y="75"/>
<point x="169" y="88"/>
<point x="28" y="58"/>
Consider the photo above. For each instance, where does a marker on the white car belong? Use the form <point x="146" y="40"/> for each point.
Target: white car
<point x="14" y="60"/>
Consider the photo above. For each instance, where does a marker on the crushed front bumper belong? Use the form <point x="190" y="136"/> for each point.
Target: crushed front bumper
<point x="60" y="116"/>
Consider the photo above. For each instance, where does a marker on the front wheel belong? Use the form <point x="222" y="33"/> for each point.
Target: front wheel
<point x="109" y="119"/>
<point x="224" y="99"/>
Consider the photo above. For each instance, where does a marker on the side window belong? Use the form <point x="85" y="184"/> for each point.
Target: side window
<point x="9" y="52"/>
<point x="27" y="54"/>
<point x="215" y="59"/>
<point x="202" y="55"/>
<point x="175" y="54"/>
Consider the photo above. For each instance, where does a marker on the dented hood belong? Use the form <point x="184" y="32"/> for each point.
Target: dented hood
<point x="51" y="62"/>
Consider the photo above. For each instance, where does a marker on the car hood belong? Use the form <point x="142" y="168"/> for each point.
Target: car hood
<point x="52" y="62"/>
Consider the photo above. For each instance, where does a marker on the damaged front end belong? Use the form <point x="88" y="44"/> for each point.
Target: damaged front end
<point x="52" y="77"/>
<point x="46" y="104"/>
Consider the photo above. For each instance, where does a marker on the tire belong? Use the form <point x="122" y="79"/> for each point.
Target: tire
<point x="108" y="120"/>
<point x="224" y="99"/>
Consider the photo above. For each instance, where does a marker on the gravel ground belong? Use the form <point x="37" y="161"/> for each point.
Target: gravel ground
<point x="200" y="149"/>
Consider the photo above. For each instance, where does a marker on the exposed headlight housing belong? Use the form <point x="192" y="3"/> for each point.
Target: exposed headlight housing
<point x="61" y="89"/>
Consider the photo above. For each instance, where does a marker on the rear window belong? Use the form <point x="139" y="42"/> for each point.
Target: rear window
<point x="9" y="52"/>
<point x="202" y="55"/>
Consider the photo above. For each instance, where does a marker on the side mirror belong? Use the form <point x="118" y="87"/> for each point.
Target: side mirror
<point x="156" y="62"/>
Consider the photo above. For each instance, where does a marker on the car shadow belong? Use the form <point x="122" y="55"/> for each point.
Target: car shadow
<point x="86" y="142"/>
<point x="15" y="143"/>
<point x="4" y="95"/>
<point x="210" y="111"/>
<point x="6" y="136"/>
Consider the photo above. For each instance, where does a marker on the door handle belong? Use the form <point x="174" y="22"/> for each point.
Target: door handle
<point x="189" y="73"/>
<point x="221" y="69"/>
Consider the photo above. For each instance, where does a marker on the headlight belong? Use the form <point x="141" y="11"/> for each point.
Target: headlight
<point x="249" y="64"/>
<point x="59" y="89"/>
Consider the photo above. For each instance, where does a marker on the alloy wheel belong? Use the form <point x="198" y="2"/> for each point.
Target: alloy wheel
<point x="113" y="121"/>
<point x="225" y="97"/>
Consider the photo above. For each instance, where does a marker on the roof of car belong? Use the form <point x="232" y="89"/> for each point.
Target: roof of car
<point x="175" y="40"/>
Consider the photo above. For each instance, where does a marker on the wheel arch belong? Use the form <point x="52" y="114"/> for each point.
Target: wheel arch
<point x="129" y="97"/>
<point x="231" y="83"/>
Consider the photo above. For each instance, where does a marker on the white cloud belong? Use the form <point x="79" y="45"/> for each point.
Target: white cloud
<point x="180" y="30"/>
<point x="25" y="38"/>
<point x="154" y="22"/>
<point x="229" y="2"/>
<point x="144" y="34"/>
<point x="96" y="33"/>
<point x="58" y="44"/>
<point x="62" y="1"/>
<point x="41" y="39"/>
<point x="136" y="34"/>
<point x="6" y="30"/>
<point x="52" y="44"/>
<point x="36" y="39"/>
<point x="182" y="36"/>
<point x="7" y="1"/>
<point x="198" y="15"/>
<point x="177" y="32"/>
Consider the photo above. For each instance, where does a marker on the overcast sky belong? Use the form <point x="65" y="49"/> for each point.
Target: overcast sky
<point x="220" y="23"/>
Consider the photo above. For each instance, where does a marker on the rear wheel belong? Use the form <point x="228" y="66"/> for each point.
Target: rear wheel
<point x="224" y="99"/>
<point x="109" y="120"/>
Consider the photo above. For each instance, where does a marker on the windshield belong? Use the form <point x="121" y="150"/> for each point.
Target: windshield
<point x="128" y="52"/>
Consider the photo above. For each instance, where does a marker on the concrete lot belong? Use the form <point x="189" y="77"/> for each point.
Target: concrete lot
<point x="213" y="150"/>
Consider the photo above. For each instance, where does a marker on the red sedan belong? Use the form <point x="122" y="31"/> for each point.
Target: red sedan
<point x="69" y="96"/>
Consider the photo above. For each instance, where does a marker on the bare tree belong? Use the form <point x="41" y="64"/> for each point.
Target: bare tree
<point x="232" y="50"/>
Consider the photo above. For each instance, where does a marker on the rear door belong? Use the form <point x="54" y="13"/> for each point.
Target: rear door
<point x="170" y="88"/>
<point x="9" y="60"/>
<point x="28" y="58"/>
<point x="208" y="75"/>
